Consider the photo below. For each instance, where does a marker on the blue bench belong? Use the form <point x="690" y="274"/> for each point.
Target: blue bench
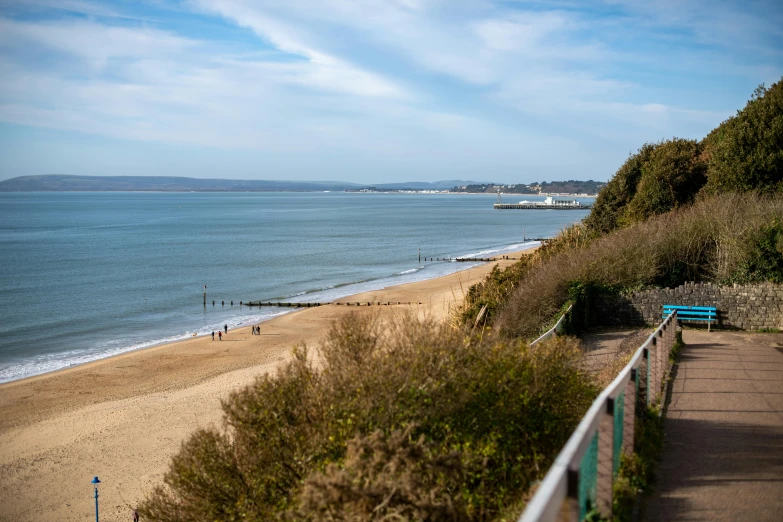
<point x="693" y="313"/>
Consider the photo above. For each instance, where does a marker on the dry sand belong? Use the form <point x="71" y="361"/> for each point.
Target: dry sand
<point x="123" y="418"/>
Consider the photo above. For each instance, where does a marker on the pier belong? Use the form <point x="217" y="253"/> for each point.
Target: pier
<point x="549" y="203"/>
<point x="539" y="206"/>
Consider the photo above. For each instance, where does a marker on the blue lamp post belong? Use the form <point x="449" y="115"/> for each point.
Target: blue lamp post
<point x="95" y="483"/>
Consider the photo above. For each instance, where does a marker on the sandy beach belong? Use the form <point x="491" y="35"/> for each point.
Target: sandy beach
<point x="122" y="418"/>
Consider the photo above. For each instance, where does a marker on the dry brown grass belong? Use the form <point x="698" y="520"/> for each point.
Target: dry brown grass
<point x="710" y="241"/>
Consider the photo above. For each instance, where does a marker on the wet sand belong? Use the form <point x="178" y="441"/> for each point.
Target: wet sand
<point x="122" y="418"/>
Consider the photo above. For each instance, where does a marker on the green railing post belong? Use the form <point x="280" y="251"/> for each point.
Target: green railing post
<point x="606" y="460"/>
<point x="629" y="415"/>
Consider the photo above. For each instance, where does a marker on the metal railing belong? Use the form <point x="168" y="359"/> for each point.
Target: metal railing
<point x="554" y="330"/>
<point x="580" y="480"/>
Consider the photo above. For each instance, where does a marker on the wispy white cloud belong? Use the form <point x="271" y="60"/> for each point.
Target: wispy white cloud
<point x="323" y="70"/>
<point x="418" y="83"/>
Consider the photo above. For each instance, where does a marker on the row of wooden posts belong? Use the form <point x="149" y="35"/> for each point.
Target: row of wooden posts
<point x="309" y="305"/>
<point x="312" y="305"/>
<point x="469" y="259"/>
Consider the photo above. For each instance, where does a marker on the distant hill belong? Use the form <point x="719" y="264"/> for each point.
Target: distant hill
<point x="64" y="183"/>
<point x="69" y="183"/>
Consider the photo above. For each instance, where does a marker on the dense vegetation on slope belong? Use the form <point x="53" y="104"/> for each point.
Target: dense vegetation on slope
<point x="746" y="151"/>
<point x="416" y="423"/>
<point x="725" y="239"/>
<point x="743" y="153"/>
<point x="659" y="178"/>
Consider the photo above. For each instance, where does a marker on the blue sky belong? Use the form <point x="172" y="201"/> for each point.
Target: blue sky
<point x="367" y="90"/>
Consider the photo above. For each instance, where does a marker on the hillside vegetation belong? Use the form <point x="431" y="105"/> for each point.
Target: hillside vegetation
<point x="744" y="153"/>
<point x="419" y="421"/>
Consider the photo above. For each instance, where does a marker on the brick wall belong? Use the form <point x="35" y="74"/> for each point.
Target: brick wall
<point x="746" y="307"/>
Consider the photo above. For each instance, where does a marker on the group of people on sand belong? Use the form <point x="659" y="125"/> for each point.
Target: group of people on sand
<point x="255" y="330"/>
<point x="220" y="334"/>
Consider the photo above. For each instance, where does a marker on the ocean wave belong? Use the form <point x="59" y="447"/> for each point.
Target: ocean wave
<point x="497" y="250"/>
<point x="45" y="363"/>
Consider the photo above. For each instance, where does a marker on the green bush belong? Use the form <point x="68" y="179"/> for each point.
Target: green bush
<point x="613" y="199"/>
<point x="461" y="425"/>
<point x="746" y="151"/>
<point x="671" y="177"/>
<point x="764" y="261"/>
<point x="660" y="177"/>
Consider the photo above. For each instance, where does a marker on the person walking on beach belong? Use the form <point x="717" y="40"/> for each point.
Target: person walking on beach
<point x="135" y="517"/>
<point x="220" y="335"/>
<point x="225" y="327"/>
<point x="213" y="335"/>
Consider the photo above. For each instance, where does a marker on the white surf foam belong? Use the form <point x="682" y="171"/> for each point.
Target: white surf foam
<point x="45" y="363"/>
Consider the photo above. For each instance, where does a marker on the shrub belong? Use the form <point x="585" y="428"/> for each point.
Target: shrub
<point x="728" y="238"/>
<point x="746" y="151"/>
<point x="384" y="478"/>
<point x="671" y="177"/>
<point x="660" y="177"/>
<point x="466" y="424"/>
<point x="611" y="202"/>
<point x="493" y="292"/>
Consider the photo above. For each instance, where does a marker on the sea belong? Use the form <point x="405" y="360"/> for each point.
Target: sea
<point x="85" y="276"/>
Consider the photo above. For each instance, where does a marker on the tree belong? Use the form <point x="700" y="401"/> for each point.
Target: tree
<point x="672" y="175"/>
<point x="614" y="197"/>
<point x="746" y="151"/>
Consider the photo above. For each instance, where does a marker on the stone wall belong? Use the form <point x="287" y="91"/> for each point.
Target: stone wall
<point x="745" y="307"/>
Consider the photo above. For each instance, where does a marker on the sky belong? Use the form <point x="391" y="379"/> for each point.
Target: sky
<point x="370" y="91"/>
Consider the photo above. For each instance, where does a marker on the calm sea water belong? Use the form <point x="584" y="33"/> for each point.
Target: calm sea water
<point x="89" y="275"/>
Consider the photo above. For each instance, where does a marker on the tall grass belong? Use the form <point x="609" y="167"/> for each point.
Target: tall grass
<point x="408" y="420"/>
<point x="728" y="238"/>
<point x="491" y="294"/>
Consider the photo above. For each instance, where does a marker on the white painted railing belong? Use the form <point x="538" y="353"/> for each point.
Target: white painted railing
<point x="581" y="477"/>
<point x="552" y="331"/>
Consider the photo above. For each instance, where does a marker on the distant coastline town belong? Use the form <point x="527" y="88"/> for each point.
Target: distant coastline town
<point x="588" y="188"/>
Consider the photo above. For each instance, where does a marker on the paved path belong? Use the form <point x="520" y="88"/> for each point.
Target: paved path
<point x="723" y="455"/>
<point x="603" y="345"/>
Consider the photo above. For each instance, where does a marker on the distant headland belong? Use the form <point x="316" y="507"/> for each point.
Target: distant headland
<point x="71" y="183"/>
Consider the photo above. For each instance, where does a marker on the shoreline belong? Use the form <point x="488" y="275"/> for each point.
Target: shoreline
<point x="123" y="417"/>
<point x="385" y="282"/>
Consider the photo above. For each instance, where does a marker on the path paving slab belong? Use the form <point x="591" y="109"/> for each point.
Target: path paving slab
<point x="723" y="450"/>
